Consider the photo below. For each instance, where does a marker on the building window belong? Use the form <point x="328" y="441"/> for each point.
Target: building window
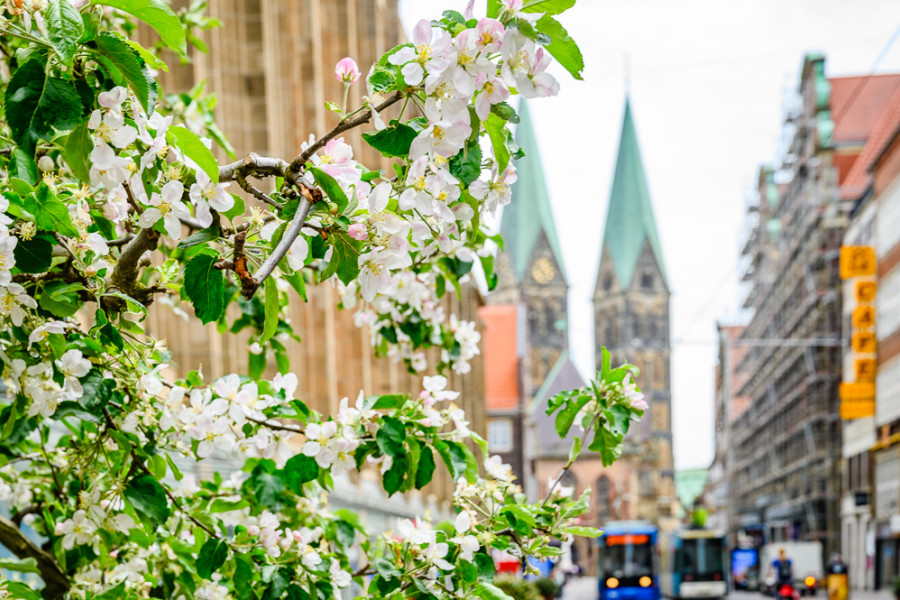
<point x="604" y="504"/>
<point x="647" y="280"/>
<point x="500" y="435"/>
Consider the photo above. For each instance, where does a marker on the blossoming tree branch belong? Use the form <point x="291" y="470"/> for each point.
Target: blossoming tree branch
<point x="112" y="200"/>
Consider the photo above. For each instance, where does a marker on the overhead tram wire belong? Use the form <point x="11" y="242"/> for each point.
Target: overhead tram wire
<point x="863" y="81"/>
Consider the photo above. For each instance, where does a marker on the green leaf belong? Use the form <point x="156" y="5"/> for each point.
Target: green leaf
<point x="243" y="575"/>
<point x="188" y="142"/>
<point x="157" y="15"/>
<point x="34" y="255"/>
<point x="562" y="46"/>
<point x="297" y="282"/>
<point x="113" y="593"/>
<point x="300" y="469"/>
<point x="77" y="151"/>
<point x="36" y="105"/>
<point x="331" y="188"/>
<point x="344" y="258"/>
<point x="201" y="237"/>
<point x="589" y="532"/>
<point x="550" y="7"/>
<point x="264" y="484"/>
<point x="153" y="61"/>
<point x="425" y="469"/>
<point x="26" y="565"/>
<point x="505" y="112"/>
<point x="466" y="166"/>
<point x="392" y="480"/>
<point x="211" y="557"/>
<point x="459" y="460"/>
<point x="60" y="304"/>
<point x="146" y="496"/>
<point x="390" y="436"/>
<point x="566" y="416"/>
<point x="392" y="142"/>
<point x="575" y="450"/>
<point x="387" y="402"/>
<point x="205" y="286"/>
<point x="21" y="591"/>
<point x="98" y="391"/>
<point x="272" y="308"/>
<point x="488" y="591"/>
<point x="22" y="168"/>
<point x="381" y="80"/>
<point x="64" y="28"/>
<point x="131" y="68"/>
<point x="607" y="444"/>
<point x="49" y="213"/>
<point x="496" y="129"/>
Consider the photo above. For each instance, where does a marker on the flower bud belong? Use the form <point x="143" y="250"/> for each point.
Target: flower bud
<point x="346" y="70"/>
<point x="45" y="164"/>
<point x="358" y="231"/>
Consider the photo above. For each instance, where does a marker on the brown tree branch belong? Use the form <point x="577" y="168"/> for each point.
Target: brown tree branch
<point x="255" y="165"/>
<point x="126" y="272"/>
<point x="57" y="584"/>
<point x="297" y="165"/>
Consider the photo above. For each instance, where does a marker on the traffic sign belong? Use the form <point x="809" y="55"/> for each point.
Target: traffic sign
<point x="857" y="261"/>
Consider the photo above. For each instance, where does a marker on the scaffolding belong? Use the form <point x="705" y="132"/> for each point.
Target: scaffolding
<point x="785" y="474"/>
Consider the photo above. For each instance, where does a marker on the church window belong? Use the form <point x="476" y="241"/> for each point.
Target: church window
<point x="500" y="435"/>
<point x="647" y="280"/>
<point x="607" y="282"/>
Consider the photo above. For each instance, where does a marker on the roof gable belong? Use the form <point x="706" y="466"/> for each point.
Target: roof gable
<point x="529" y="212"/>
<point x="629" y="217"/>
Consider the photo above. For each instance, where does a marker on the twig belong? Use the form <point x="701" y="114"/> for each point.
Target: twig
<point x="253" y="164"/>
<point x="293" y="170"/>
<point x="569" y="464"/>
<point x="276" y="425"/>
<point x="121" y="241"/>
<point x="310" y="197"/>
<point x="238" y="264"/>
<point x="131" y="200"/>
<point x="255" y="191"/>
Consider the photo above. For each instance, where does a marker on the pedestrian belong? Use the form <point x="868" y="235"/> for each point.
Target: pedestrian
<point x="836" y="578"/>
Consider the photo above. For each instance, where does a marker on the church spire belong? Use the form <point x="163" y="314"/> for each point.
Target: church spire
<point x="529" y="213"/>
<point x="630" y="223"/>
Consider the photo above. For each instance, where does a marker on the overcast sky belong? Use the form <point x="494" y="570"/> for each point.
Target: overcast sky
<point x="708" y="81"/>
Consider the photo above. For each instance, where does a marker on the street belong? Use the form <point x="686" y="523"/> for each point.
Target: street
<point x="585" y="588"/>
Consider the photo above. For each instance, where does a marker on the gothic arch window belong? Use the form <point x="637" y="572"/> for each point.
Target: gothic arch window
<point x="604" y="503"/>
<point x="647" y="278"/>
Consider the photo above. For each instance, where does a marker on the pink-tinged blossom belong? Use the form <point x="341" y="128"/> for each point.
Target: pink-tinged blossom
<point x="634" y="395"/>
<point x="168" y="207"/>
<point x="489" y="34"/>
<point x="493" y="91"/>
<point x="497" y="191"/>
<point x="429" y="55"/>
<point x="513" y="6"/>
<point x="416" y="194"/>
<point x="346" y="70"/>
<point x="358" y="232"/>
<point x="444" y="138"/>
<point x="525" y="65"/>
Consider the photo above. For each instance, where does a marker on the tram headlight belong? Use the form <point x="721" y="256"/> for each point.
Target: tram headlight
<point x="645" y="581"/>
<point x="810" y="581"/>
<point x="612" y="583"/>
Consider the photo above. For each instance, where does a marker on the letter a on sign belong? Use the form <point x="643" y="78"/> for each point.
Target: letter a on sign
<point x="857" y="261"/>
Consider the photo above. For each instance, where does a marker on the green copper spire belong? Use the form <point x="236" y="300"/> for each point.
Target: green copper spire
<point x="529" y="212"/>
<point x="629" y="219"/>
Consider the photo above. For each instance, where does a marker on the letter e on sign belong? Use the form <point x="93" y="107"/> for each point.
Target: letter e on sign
<point x="857" y="261"/>
<point x="865" y="369"/>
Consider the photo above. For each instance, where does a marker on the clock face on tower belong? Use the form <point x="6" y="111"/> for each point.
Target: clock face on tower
<point x="542" y="270"/>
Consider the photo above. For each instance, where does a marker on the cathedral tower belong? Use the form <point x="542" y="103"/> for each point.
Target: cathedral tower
<point x="631" y="318"/>
<point x="530" y="270"/>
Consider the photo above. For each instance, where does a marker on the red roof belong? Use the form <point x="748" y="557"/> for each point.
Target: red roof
<point x="500" y="351"/>
<point x="857" y="180"/>
<point x="857" y="103"/>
